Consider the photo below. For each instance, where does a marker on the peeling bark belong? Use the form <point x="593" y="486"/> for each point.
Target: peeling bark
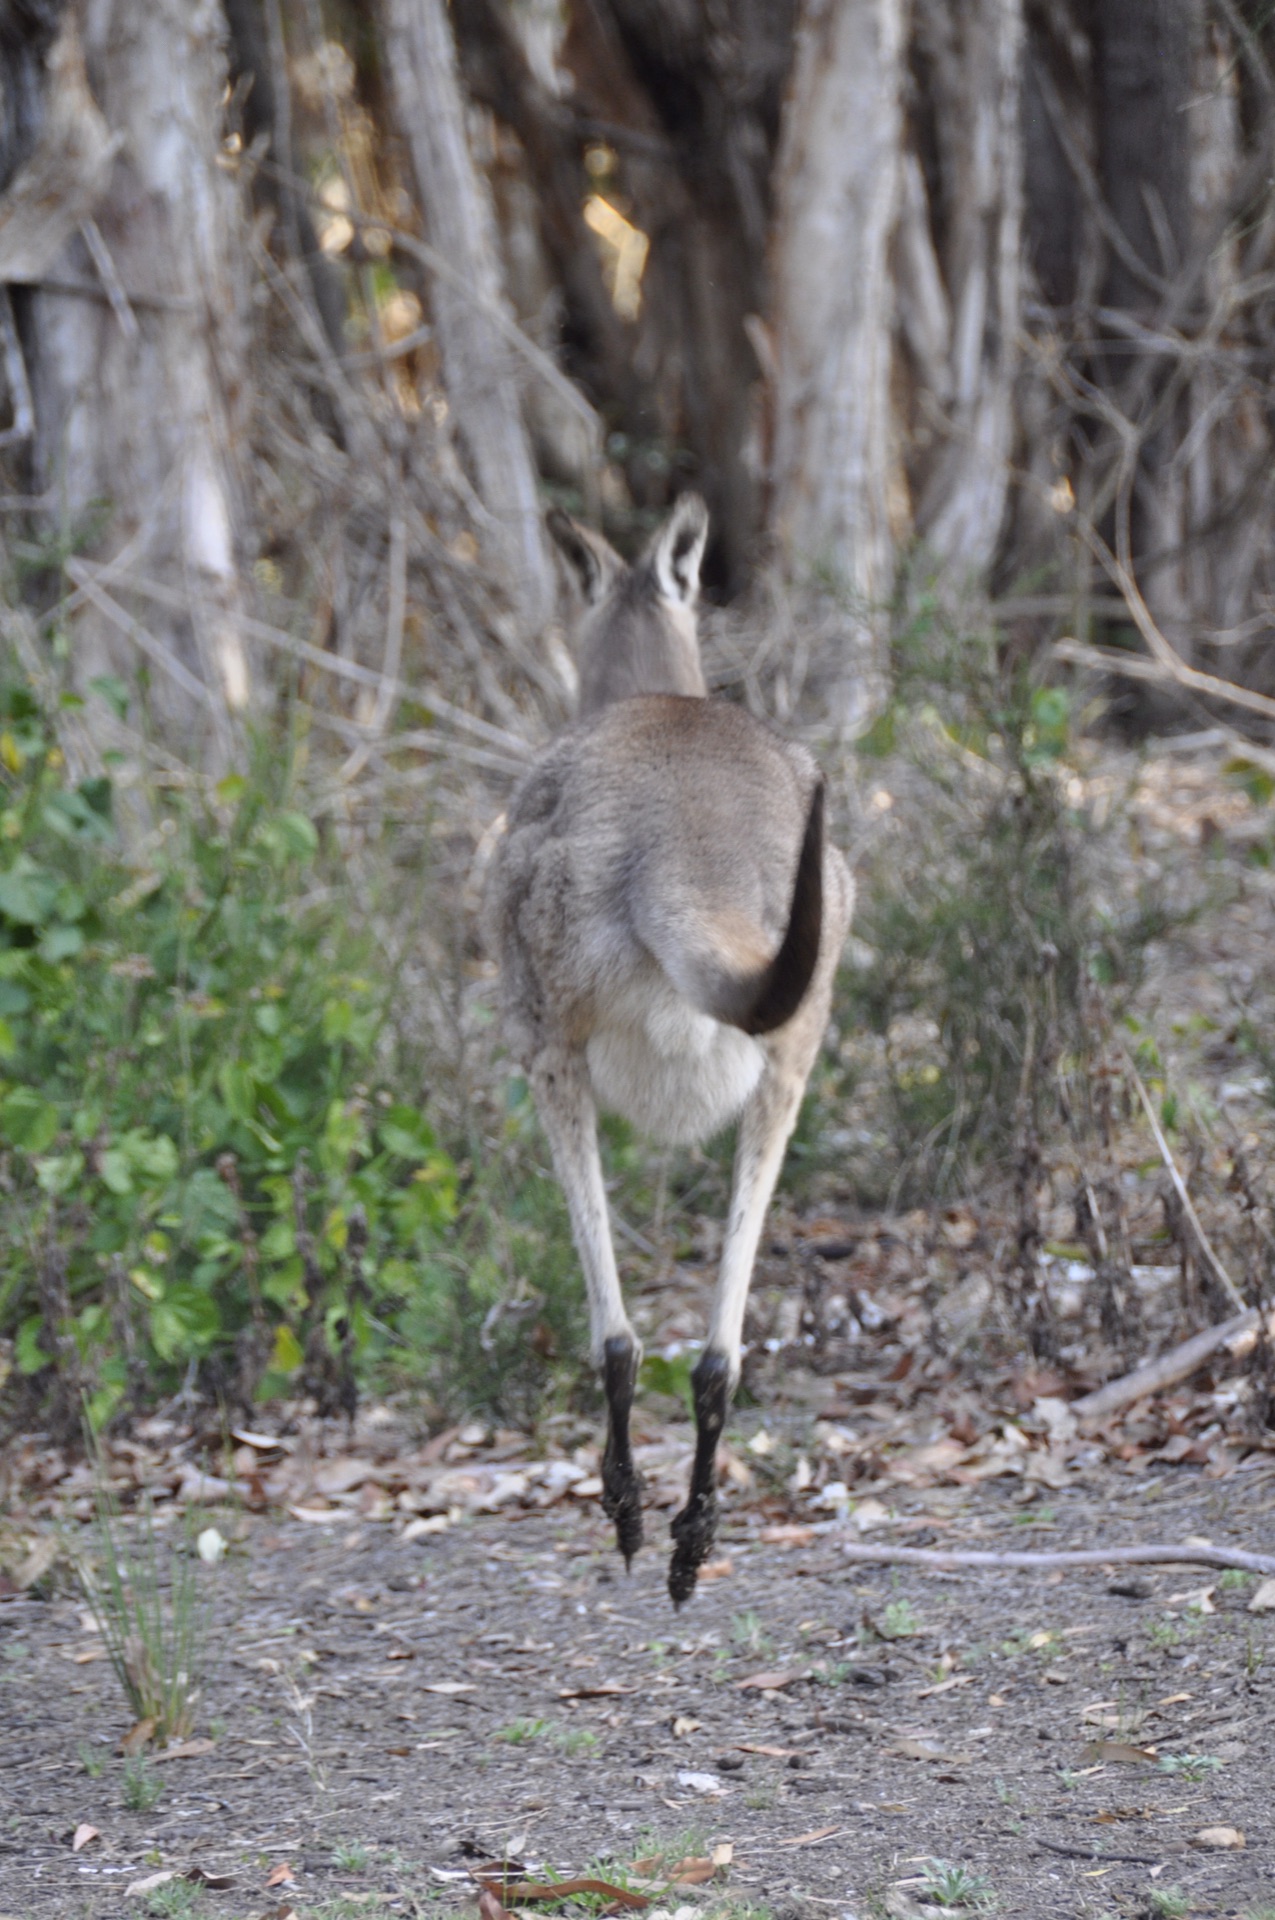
<point x="137" y="376"/>
<point x="837" y="194"/>
<point x="974" y="68"/>
<point x="478" y="371"/>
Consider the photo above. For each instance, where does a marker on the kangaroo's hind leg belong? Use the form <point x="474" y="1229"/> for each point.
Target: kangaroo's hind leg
<point x="564" y="1100"/>
<point x="765" y="1128"/>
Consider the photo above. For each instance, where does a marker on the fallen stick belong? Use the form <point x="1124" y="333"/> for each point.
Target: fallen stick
<point x="1166" y="1371"/>
<point x="1161" y="1556"/>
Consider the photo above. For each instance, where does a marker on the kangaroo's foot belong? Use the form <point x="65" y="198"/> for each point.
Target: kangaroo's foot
<point x="621" y="1481"/>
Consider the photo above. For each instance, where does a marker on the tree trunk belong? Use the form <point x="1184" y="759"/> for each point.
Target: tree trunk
<point x="971" y="61"/>
<point x="477" y="364"/>
<point x="837" y="193"/>
<point x="137" y="375"/>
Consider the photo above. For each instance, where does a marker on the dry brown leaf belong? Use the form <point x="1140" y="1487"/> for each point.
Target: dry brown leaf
<point x="694" y="1871"/>
<point x="602" y="1691"/>
<point x="771" y="1753"/>
<point x="185" y="1750"/>
<point x="201" y="1877"/>
<point x="525" y="1890"/>
<point x="1119" y="1752"/>
<point x="138" y="1736"/>
<point x="489" y="1906"/>
<point x="1263" y="1600"/>
<point x="947" y="1686"/>
<point x="789" y="1534"/>
<point x="772" y="1682"/>
<point x="136" y="1888"/>
<point x="1219" y="1837"/>
<point x="812" y="1839"/>
<point x="717" y="1569"/>
<point x="82" y="1835"/>
<point x="281" y="1876"/>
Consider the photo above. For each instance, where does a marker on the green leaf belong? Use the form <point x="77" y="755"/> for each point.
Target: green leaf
<point x="407" y="1133"/>
<point x="60" y="1173"/>
<point x="29" y="1356"/>
<point x="29" y="1121"/>
<point x="27" y="893"/>
<point x="287" y="1355"/>
<point x="115" y="1171"/>
<point x="113" y="690"/>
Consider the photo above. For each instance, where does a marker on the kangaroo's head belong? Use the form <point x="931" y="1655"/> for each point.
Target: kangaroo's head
<point x="637" y="633"/>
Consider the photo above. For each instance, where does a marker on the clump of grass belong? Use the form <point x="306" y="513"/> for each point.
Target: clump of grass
<point x="142" y="1785"/>
<point x="154" y="1602"/>
<point x="519" y="1733"/>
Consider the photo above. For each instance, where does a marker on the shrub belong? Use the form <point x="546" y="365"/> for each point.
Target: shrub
<point x="983" y="923"/>
<point x="201" y="1164"/>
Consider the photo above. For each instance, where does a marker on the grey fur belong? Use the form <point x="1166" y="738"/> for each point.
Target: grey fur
<point x="661" y="859"/>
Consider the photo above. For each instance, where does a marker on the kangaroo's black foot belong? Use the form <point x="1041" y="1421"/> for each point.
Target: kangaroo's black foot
<point x="694" y="1530"/>
<point x="621" y="1481"/>
<point x="622" y="1502"/>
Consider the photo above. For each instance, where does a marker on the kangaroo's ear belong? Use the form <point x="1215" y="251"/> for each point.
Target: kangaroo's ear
<point x="593" y="560"/>
<point x="679" y="548"/>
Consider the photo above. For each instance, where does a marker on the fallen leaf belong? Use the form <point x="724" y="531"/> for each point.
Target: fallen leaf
<point x="683" y="1725"/>
<point x="322" y="1516"/>
<point x="184" y="1750"/>
<point x="773" y="1682"/>
<point x="1219" y="1837"/>
<point x="947" y="1686"/>
<point x="82" y="1835"/>
<point x="517" y="1891"/>
<point x="601" y="1692"/>
<point x="1120" y="1753"/>
<point x="200" y="1877"/>
<point x="281" y="1876"/>
<point x="211" y="1545"/>
<point x="87" y="1658"/>
<point x="771" y="1753"/>
<point x="790" y="1534"/>
<point x="401" y="1653"/>
<point x="692" y="1872"/>
<point x="136" y="1888"/>
<point x="909" y="1748"/>
<point x="1263" y="1600"/>
<point x="450" y="1686"/>
<point x="717" y="1569"/>
<point x="138" y="1736"/>
<point x="700" y="1782"/>
<point x="812" y="1839"/>
<point x="489" y="1906"/>
<point x="723" y="1853"/>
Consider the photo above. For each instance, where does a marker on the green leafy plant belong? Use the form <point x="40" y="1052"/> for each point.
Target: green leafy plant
<point x="520" y="1732"/>
<point x="952" y="1885"/>
<point x="1189" y="1766"/>
<point x="203" y="1164"/>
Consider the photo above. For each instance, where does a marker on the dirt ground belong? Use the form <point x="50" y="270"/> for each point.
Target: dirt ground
<point x="386" y="1713"/>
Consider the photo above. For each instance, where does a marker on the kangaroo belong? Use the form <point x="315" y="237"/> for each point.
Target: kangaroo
<point x="668" y="917"/>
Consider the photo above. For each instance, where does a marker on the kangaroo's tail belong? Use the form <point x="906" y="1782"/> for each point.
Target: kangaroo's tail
<point x="714" y="970"/>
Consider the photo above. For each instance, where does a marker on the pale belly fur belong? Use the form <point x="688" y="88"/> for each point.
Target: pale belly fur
<point x="672" y="1071"/>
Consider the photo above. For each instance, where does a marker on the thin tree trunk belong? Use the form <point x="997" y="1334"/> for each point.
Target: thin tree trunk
<point x="837" y="193"/>
<point x="138" y="379"/>
<point x="477" y="366"/>
<point x="973" y="62"/>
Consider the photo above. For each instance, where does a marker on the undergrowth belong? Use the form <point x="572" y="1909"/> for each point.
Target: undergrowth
<point x="216" y="1165"/>
<point x="979" y="916"/>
